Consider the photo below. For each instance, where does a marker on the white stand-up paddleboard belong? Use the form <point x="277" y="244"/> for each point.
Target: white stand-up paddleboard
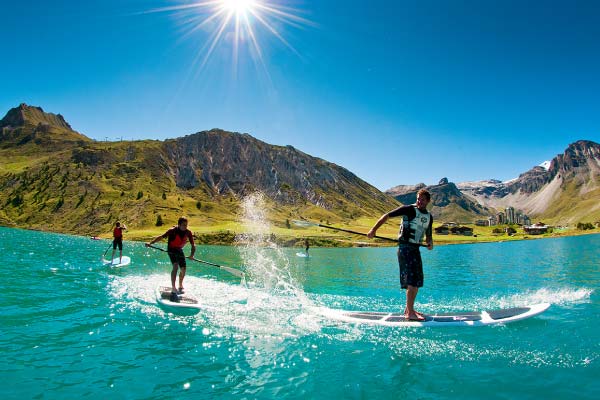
<point x="176" y="302"/>
<point x="301" y="254"/>
<point x="116" y="262"/>
<point x="473" y="318"/>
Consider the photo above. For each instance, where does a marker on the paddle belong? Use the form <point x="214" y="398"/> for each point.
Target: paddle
<point x="308" y="223"/>
<point x="105" y="251"/>
<point x="232" y="271"/>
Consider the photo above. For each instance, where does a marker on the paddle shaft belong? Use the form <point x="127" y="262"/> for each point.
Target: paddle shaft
<point x="105" y="251"/>
<point x="232" y="271"/>
<point x="360" y="233"/>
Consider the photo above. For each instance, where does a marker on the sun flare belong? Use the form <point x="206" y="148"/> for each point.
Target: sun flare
<point x="236" y="24"/>
<point x="239" y="6"/>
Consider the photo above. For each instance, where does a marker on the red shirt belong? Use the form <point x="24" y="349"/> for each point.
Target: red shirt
<point x="178" y="238"/>
<point x="118" y="232"/>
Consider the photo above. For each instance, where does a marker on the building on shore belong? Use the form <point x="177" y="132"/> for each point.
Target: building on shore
<point x="510" y="215"/>
<point x="536" y="229"/>
<point x="500" y="218"/>
<point x="454" y="229"/>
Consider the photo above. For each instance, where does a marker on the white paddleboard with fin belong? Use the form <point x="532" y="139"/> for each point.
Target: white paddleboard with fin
<point x="472" y="318"/>
<point x="116" y="262"/>
<point x="176" y="301"/>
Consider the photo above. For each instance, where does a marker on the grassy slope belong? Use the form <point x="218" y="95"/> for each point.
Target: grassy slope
<point x="573" y="207"/>
<point x="125" y="181"/>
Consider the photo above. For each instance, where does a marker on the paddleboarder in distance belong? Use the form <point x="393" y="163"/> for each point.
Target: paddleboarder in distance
<point x="416" y="223"/>
<point x="118" y="240"/>
<point x="178" y="236"/>
<point x="306" y="244"/>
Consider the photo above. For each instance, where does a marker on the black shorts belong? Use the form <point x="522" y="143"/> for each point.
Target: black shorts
<point x="177" y="257"/>
<point x="411" y="266"/>
<point x="118" y="242"/>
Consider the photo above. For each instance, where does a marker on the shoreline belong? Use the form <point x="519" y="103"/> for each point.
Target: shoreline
<point x="228" y="238"/>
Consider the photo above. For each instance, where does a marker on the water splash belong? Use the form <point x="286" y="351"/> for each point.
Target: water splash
<point x="561" y="296"/>
<point x="266" y="264"/>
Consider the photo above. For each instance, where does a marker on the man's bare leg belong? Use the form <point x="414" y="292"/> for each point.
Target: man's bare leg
<point x="409" y="312"/>
<point x="174" y="276"/>
<point x="181" y="276"/>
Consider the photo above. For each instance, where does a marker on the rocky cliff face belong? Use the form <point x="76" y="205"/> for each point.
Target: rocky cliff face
<point x="233" y="163"/>
<point x="530" y="181"/>
<point x="580" y="159"/>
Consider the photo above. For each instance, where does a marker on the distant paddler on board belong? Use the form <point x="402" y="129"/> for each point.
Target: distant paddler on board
<point x="118" y="240"/>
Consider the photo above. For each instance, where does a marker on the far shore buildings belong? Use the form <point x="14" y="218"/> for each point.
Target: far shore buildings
<point x="508" y="217"/>
<point x="452" y="228"/>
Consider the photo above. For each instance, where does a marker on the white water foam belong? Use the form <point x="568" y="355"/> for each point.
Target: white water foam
<point x="262" y="322"/>
<point x="561" y="296"/>
<point x="273" y="303"/>
<point x="556" y="296"/>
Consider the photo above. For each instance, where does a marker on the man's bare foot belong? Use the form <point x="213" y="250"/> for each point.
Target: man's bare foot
<point x="414" y="316"/>
<point x="416" y="312"/>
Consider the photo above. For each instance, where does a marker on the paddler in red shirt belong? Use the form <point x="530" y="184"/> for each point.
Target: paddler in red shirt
<point x="118" y="240"/>
<point x="178" y="236"/>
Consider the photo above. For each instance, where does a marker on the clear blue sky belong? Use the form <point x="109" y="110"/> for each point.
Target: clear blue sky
<point x="398" y="92"/>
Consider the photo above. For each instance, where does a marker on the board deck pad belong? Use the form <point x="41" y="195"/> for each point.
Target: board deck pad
<point x="399" y="317"/>
<point x="125" y="260"/>
<point x="470" y="318"/>
<point x="165" y="294"/>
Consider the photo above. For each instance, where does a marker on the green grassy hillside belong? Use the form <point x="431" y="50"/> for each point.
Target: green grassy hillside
<point x="572" y="207"/>
<point x="85" y="189"/>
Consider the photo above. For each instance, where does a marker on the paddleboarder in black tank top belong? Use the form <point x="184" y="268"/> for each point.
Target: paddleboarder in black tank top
<point x="416" y="223"/>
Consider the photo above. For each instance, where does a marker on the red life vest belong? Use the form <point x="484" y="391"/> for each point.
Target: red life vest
<point x="178" y="238"/>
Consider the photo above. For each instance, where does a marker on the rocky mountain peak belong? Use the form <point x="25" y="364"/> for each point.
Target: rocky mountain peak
<point x="237" y="164"/>
<point x="27" y="124"/>
<point x="583" y="154"/>
<point x="31" y="115"/>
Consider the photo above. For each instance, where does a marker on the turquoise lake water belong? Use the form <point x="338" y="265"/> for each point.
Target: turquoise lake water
<point x="73" y="328"/>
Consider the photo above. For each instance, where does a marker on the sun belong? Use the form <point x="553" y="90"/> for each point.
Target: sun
<point x="239" y="6"/>
<point x="239" y="23"/>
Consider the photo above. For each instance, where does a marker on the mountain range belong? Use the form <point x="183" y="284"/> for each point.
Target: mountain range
<point x="54" y="178"/>
<point x="562" y="191"/>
